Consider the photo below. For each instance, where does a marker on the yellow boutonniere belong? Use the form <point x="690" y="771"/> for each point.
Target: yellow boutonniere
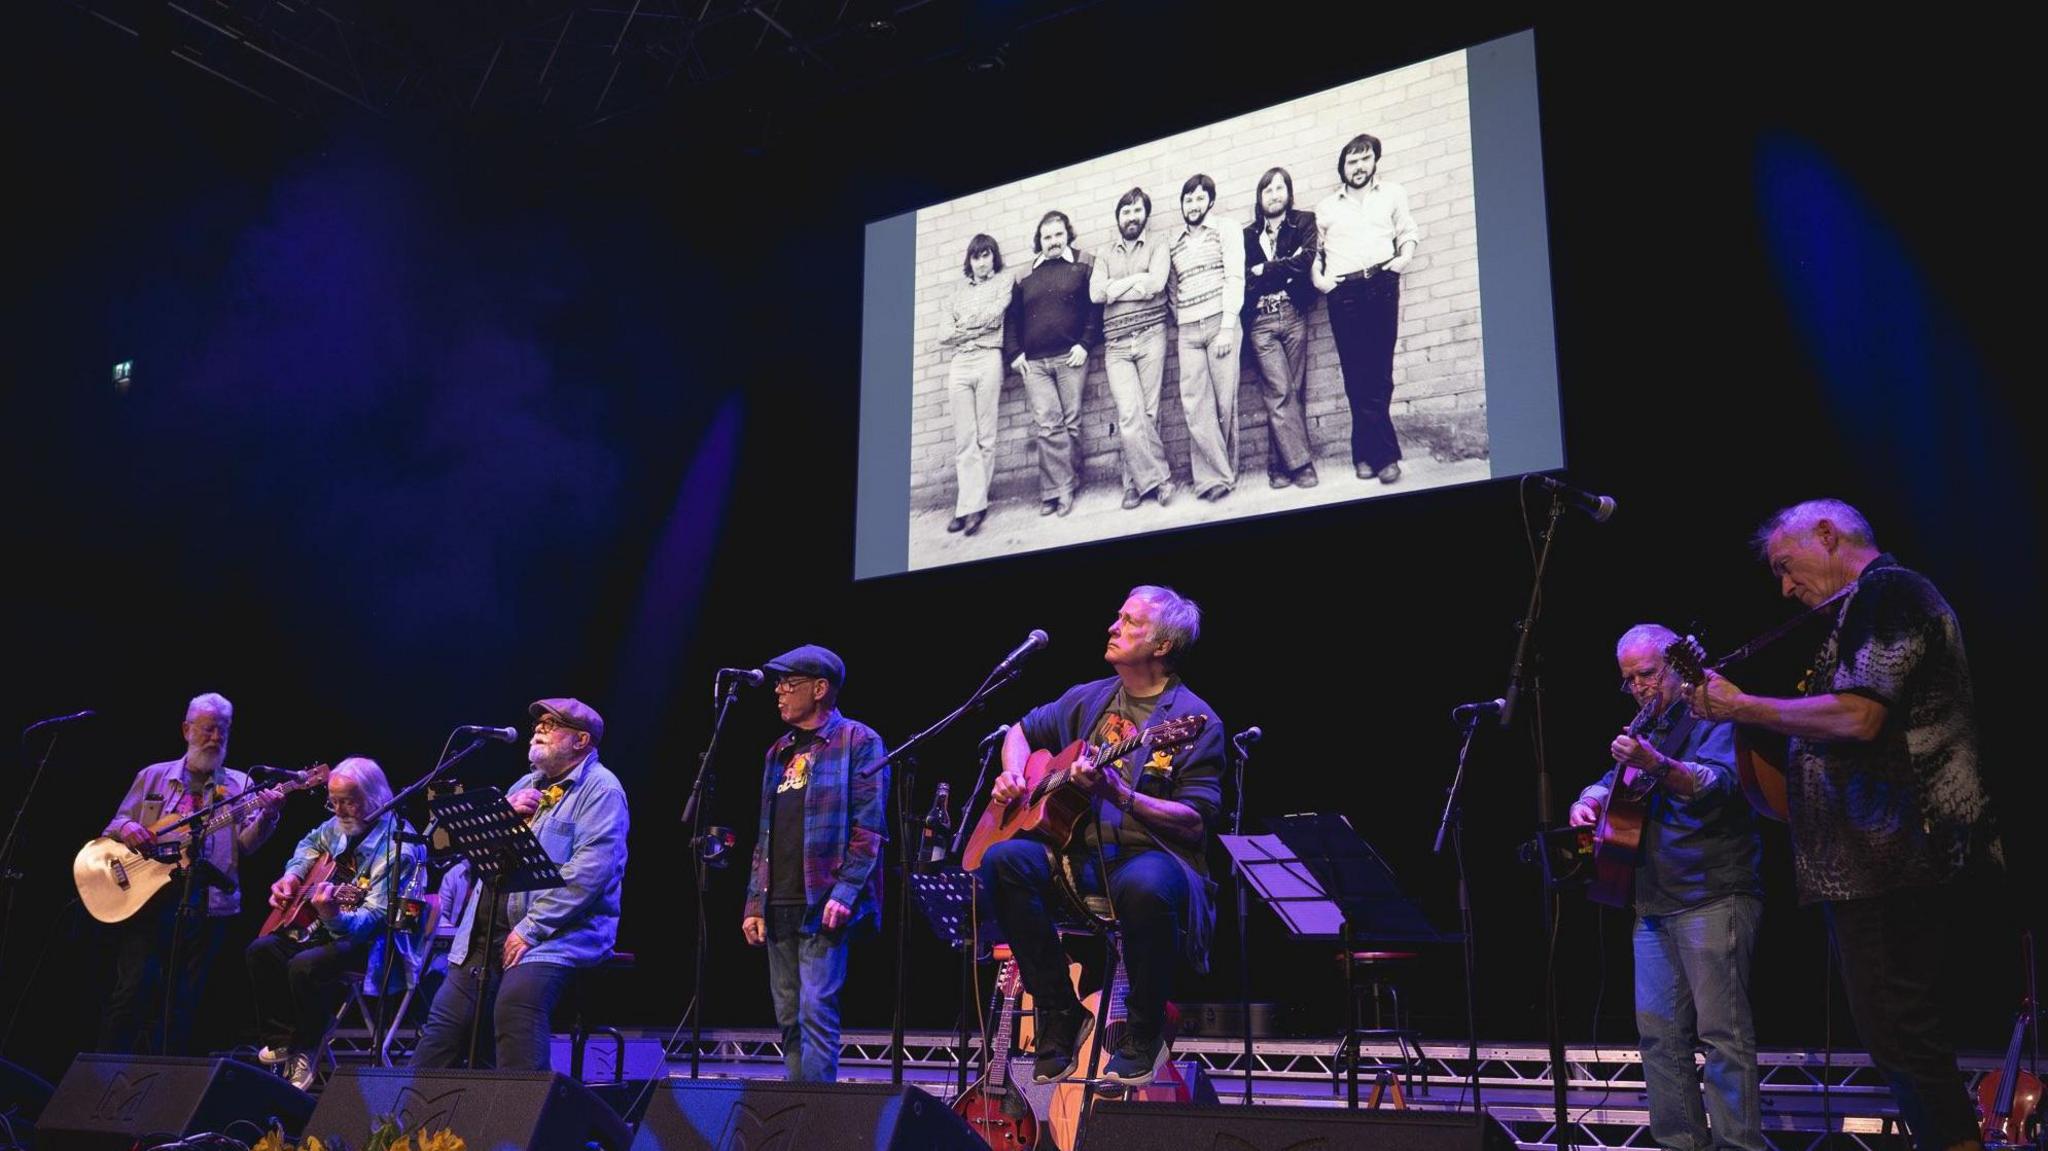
<point x="1160" y="762"/>
<point x="552" y="796"/>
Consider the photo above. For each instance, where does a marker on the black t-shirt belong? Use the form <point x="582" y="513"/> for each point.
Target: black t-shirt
<point x="1125" y="716"/>
<point x="786" y="837"/>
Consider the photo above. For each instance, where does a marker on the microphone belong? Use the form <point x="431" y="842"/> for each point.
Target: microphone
<point x="1247" y="737"/>
<point x="269" y="774"/>
<point x="59" y="720"/>
<point x="751" y="676"/>
<point x="1037" y="639"/>
<point x="995" y="736"/>
<point x="501" y="734"/>
<point x="1467" y="712"/>
<point x="1599" y="507"/>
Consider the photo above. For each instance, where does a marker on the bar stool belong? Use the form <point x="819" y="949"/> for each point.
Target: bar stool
<point x="1372" y="976"/>
<point x="580" y="1031"/>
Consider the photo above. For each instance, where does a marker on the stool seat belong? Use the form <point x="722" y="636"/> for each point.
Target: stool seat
<point x="1381" y="956"/>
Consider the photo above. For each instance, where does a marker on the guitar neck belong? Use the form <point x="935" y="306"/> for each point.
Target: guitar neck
<point x="999" y="1055"/>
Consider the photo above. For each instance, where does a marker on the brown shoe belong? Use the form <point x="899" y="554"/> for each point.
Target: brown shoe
<point x="1390" y="473"/>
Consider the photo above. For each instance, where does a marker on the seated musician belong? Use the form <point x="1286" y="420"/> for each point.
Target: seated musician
<point x="296" y="972"/>
<point x="1148" y="825"/>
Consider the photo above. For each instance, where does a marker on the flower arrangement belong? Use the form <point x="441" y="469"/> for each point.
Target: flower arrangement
<point x="385" y="1137"/>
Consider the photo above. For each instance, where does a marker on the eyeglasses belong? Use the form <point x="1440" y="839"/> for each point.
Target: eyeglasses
<point x="792" y="682"/>
<point x="546" y="726"/>
<point x="1645" y="676"/>
<point x="335" y="803"/>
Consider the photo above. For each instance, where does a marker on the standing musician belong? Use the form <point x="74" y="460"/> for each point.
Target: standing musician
<point x="1887" y="809"/>
<point x="1150" y="813"/>
<point x="578" y="813"/>
<point x="1698" y="902"/>
<point x="296" y="972"/>
<point x="160" y="793"/>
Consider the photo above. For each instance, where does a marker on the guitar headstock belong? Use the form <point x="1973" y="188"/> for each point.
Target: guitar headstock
<point x="1685" y="656"/>
<point x="1177" y="731"/>
<point x="314" y="776"/>
<point x="1009" y="980"/>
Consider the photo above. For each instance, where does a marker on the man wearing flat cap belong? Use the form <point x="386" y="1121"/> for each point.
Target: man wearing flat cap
<point x="514" y="976"/>
<point x="814" y="881"/>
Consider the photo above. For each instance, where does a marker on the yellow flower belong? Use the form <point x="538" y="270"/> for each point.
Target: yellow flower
<point x="442" y="1141"/>
<point x="552" y="796"/>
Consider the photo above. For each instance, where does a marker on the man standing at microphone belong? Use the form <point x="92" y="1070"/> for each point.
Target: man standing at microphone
<point x="814" y="882"/>
<point x="1149" y="825"/>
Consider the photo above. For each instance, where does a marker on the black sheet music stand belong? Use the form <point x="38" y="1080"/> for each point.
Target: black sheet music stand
<point x="1329" y="885"/>
<point x="946" y="897"/>
<point x="502" y="853"/>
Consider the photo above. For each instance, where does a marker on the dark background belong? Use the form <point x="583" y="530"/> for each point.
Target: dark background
<point x="436" y="414"/>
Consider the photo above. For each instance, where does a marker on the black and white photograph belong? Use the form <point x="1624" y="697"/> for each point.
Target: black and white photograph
<point x="1275" y="312"/>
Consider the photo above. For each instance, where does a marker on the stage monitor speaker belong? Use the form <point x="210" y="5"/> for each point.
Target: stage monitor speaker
<point x="733" y="1115"/>
<point x="490" y="1110"/>
<point x="1119" y="1126"/>
<point x="118" y="1101"/>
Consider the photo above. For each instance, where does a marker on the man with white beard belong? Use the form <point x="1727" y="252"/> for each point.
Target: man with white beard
<point x="513" y="976"/>
<point x="142" y="947"/>
<point x="296" y="973"/>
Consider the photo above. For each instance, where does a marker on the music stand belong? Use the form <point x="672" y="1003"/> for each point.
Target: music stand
<point x="502" y="853"/>
<point x="1328" y="885"/>
<point x="946" y="897"/>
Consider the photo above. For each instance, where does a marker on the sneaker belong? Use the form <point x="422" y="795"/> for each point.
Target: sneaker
<point x="1060" y="1037"/>
<point x="298" y="1070"/>
<point x="1135" y="1064"/>
<point x="272" y="1056"/>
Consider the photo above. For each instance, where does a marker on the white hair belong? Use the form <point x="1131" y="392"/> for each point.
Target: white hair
<point x="1645" y="633"/>
<point x="1178" y="619"/>
<point x="366" y="775"/>
<point x="1800" y="519"/>
<point x="210" y="703"/>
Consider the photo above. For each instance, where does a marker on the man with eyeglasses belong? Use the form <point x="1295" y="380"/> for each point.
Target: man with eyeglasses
<point x="512" y="977"/>
<point x="1698" y="901"/>
<point x="296" y="974"/>
<point x="814" y="882"/>
<point x="160" y="794"/>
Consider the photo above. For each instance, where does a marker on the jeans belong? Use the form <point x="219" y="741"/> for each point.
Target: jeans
<point x="1054" y="391"/>
<point x="1692" y="990"/>
<point x="1208" y="394"/>
<point x="1149" y="891"/>
<point x="514" y="1035"/>
<point x="1891" y="948"/>
<point x="805" y="973"/>
<point x="1279" y="341"/>
<point x="974" y="388"/>
<point x="1365" y="317"/>
<point x="1135" y="367"/>
<point x="298" y="988"/>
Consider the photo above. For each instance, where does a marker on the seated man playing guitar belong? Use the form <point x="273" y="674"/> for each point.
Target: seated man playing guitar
<point x="1144" y="815"/>
<point x="328" y="913"/>
<point x="1697" y="897"/>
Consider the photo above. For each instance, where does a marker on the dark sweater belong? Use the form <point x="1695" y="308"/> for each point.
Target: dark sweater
<point x="1050" y="311"/>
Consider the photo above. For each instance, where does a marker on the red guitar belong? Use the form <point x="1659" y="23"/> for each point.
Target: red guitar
<point x="1052" y="805"/>
<point x="1618" y="837"/>
<point x="295" y="919"/>
<point x="998" y="1113"/>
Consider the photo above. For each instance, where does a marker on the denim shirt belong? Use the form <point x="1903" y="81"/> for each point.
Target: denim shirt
<point x="374" y="862"/>
<point x="576" y="924"/>
<point x="157" y="791"/>
<point x="1697" y="849"/>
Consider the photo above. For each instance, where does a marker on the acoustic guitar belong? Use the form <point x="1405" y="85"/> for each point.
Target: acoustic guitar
<point x="1052" y="805"/>
<point x="1618" y="837"/>
<point x="296" y="919"/>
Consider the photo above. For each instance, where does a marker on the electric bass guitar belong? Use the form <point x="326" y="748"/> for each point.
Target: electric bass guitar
<point x="114" y="880"/>
<point x="1052" y="805"/>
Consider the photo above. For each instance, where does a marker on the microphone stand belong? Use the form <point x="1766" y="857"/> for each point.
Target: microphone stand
<point x="391" y="903"/>
<point x="190" y="857"/>
<point x="701" y="790"/>
<point x="905" y="788"/>
<point x="1518" y="672"/>
<point x="1244" y="960"/>
<point x="1453" y="824"/>
<point x="9" y="877"/>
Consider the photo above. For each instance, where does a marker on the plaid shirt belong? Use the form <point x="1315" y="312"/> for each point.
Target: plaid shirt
<point x="843" y="822"/>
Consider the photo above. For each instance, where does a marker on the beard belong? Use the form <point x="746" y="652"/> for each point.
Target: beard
<point x="203" y="760"/>
<point x="1131" y="230"/>
<point x="1195" y="219"/>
